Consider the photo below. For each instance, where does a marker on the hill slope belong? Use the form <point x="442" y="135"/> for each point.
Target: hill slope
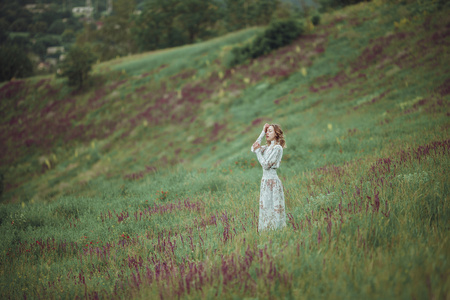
<point x="357" y="65"/>
<point x="157" y="153"/>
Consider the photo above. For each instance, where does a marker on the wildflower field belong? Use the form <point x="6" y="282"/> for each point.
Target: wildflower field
<point x="144" y="186"/>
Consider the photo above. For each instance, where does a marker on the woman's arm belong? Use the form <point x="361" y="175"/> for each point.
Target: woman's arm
<point x="258" y="140"/>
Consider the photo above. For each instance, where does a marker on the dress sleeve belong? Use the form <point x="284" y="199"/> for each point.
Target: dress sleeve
<point x="273" y="160"/>
<point x="258" y="140"/>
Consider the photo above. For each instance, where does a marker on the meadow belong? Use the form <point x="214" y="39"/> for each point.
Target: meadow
<point x="143" y="185"/>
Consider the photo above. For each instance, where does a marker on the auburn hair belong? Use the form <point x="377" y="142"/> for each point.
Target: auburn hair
<point x="279" y="135"/>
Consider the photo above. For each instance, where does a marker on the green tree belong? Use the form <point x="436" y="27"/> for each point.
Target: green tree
<point x="57" y="27"/>
<point x="236" y="14"/>
<point x="4" y="25"/>
<point x="38" y="27"/>
<point x="148" y="31"/>
<point x="156" y="26"/>
<point x="115" y="37"/>
<point x="77" y="65"/>
<point x="261" y="11"/>
<point x="42" y="43"/>
<point x="12" y="11"/>
<point x="68" y="35"/>
<point x="244" y="13"/>
<point x="23" y="42"/>
<point x="14" y="63"/>
<point x="196" y="16"/>
<point x="19" y="25"/>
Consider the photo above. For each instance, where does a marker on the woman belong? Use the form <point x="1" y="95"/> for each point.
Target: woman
<point x="272" y="214"/>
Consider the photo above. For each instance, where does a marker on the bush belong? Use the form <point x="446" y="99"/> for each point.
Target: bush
<point x="315" y="20"/>
<point x="68" y="35"/>
<point x="37" y="27"/>
<point x="77" y="65"/>
<point x="42" y="43"/>
<point x="22" y="42"/>
<point x="39" y="49"/>
<point x="14" y="63"/>
<point x="57" y="27"/>
<point x="48" y="41"/>
<point x="19" y="25"/>
<point x="279" y="33"/>
<point x="333" y="4"/>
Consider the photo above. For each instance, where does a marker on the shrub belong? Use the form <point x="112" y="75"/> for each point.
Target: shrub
<point x="68" y="35"/>
<point x="278" y="34"/>
<point x="315" y="20"/>
<point x="14" y="63"/>
<point x="57" y="27"/>
<point x="37" y="27"/>
<point x="48" y="41"/>
<point x="333" y="4"/>
<point x="77" y="65"/>
<point x="19" y="25"/>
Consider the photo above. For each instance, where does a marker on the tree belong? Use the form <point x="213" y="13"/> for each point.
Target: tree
<point x="14" y="63"/>
<point x="42" y="43"/>
<point x="261" y="11"/>
<point x="19" y="25"/>
<point x="68" y="35"/>
<point x="77" y="65"/>
<point x="196" y="16"/>
<point x="22" y="42"/>
<point x="156" y="26"/>
<point x="236" y="14"/>
<point x="114" y="38"/>
<point x="4" y="25"/>
<point x="38" y="27"/>
<point x="57" y="27"/>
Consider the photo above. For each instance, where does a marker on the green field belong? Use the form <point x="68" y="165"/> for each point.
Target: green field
<point x="143" y="185"/>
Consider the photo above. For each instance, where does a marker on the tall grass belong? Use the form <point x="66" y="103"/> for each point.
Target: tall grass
<point x="145" y="187"/>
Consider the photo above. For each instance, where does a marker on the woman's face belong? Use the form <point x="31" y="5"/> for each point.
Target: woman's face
<point x="270" y="134"/>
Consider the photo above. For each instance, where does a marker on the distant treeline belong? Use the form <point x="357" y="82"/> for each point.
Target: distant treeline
<point x="169" y="23"/>
<point x="133" y="26"/>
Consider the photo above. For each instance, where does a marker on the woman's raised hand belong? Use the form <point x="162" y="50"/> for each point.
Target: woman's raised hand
<point x="256" y="145"/>
<point x="266" y="126"/>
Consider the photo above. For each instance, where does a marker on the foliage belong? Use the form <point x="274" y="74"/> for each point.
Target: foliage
<point x="43" y="42"/>
<point x="68" y="35"/>
<point x="333" y="4"/>
<point x="114" y="38"/>
<point x="22" y="42"/>
<point x="196" y="16"/>
<point x="14" y="63"/>
<point x="12" y="11"/>
<point x="57" y="27"/>
<point x="164" y="24"/>
<point x="19" y="25"/>
<point x="156" y="27"/>
<point x="77" y="65"/>
<point x="315" y="19"/>
<point x="279" y="33"/>
<point x="241" y="13"/>
<point x="37" y="27"/>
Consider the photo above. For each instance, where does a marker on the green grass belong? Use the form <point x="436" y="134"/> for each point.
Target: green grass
<point x="152" y="165"/>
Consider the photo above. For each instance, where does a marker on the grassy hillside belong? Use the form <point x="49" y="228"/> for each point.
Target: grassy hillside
<point x="145" y="185"/>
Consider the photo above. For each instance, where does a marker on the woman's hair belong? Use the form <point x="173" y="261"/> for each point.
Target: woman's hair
<point x="279" y="134"/>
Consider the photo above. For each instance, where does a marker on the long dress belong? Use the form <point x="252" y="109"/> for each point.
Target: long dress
<point x="272" y="214"/>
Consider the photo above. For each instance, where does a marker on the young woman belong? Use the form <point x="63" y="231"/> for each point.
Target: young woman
<point x="272" y="214"/>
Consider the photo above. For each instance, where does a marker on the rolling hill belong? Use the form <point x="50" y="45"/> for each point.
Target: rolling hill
<point x="156" y="152"/>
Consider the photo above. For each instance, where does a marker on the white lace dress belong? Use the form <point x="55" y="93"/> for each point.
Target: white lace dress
<point x="272" y="214"/>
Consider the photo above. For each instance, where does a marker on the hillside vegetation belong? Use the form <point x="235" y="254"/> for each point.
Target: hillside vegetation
<point x="144" y="184"/>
